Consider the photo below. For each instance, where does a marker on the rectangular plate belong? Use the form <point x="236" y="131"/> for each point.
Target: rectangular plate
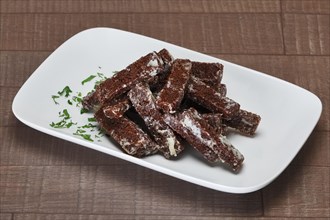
<point x="289" y="113"/>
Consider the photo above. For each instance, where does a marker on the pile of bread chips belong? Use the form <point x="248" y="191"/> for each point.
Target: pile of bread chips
<point x="158" y="102"/>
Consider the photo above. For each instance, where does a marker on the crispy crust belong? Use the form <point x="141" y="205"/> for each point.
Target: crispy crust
<point x="215" y="120"/>
<point x="127" y="134"/>
<point x="117" y="108"/>
<point x="170" y="97"/>
<point x="245" y="122"/>
<point x="176" y="122"/>
<point x="208" y="73"/>
<point x="144" y="103"/>
<point x="198" y="133"/>
<point x="211" y="99"/>
<point x="166" y="56"/>
<point x="144" y="69"/>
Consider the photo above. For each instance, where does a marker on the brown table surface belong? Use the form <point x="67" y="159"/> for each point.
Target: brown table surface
<point x="42" y="177"/>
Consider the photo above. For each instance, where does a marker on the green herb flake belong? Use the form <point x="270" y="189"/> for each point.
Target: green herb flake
<point x="102" y="76"/>
<point x="64" y="123"/>
<point x="60" y="124"/>
<point x="65" y="114"/>
<point x="66" y="91"/>
<point x="86" y="130"/>
<point x="92" y="119"/>
<point x="77" y="99"/>
<point x="54" y="97"/>
<point x="85" y="136"/>
<point x="68" y="125"/>
<point x="80" y="131"/>
<point x="89" y="125"/>
<point x="82" y="111"/>
<point x="91" y="77"/>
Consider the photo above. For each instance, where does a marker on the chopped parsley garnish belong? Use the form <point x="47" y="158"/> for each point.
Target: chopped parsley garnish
<point x="91" y="77"/>
<point x="91" y="119"/>
<point x="102" y="79"/>
<point x="88" y="130"/>
<point x="102" y="76"/>
<point x="68" y="125"/>
<point x="77" y="99"/>
<point x="89" y="125"/>
<point x="54" y="97"/>
<point x="82" y="111"/>
<point x="60" y="124"/>
<point x="65" y="114"/>
<point x="82" y="133"/>
<point x="66" y="91"/>
<point x="64" y="123"/>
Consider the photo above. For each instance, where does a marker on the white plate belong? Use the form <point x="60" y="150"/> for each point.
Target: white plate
<point x="289" y="113"/>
